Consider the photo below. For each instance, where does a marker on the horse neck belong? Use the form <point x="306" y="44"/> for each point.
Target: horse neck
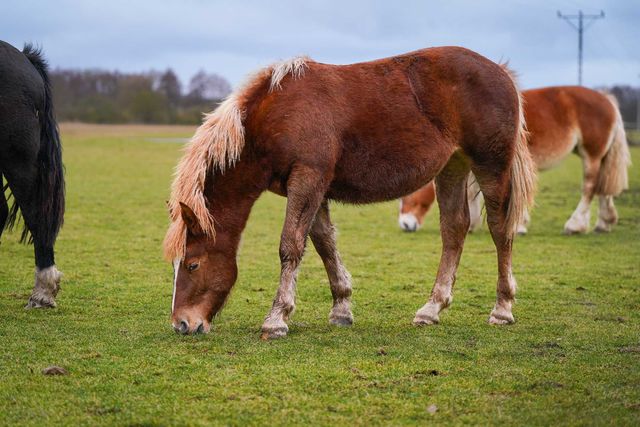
<point x="231" y="196"/>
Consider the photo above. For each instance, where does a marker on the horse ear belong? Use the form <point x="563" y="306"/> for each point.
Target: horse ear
<point x="190" y="220"/>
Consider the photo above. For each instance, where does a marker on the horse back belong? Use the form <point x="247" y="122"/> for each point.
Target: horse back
<point x="397" y="118"/>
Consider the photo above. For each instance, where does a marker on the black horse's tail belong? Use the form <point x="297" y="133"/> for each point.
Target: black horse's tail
<point x="50" y="184"/>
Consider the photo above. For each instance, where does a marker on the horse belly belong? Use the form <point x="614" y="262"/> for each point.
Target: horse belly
<point x="385" y="171"/>
<point x="549" y="151"/>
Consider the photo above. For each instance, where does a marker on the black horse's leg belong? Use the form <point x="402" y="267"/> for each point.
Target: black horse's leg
<point x="22" y="178"/>
<point x="4" y="208"/>
<point x="47" y="280"/>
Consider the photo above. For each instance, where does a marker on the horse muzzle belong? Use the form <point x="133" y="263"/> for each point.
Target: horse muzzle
<point x="185" y="327"/>
<point x="408" y="222"/>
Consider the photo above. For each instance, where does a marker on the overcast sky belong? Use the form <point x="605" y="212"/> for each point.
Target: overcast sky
<point x="232" y="38"/>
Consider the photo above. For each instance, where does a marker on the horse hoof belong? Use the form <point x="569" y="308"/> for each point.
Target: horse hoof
<point x="429" y="313"/>
<point x="274" y="333"/>
<point x="603" y="226"/>
<point x="425" y="320"/>
<point x="341" y="320"/>
<point x="40" y="303"/>
<point x="501" y="319"/>
<point x="571" y="232"/>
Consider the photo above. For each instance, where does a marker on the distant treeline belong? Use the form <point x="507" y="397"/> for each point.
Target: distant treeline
<point x="627" y="97"/>
<point x="98" y="96"/>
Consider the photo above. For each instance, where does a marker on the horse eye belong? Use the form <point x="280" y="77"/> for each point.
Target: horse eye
<point x="193" y="267"/>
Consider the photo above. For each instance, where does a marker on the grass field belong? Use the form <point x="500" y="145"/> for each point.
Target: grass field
<point x="573" y="357"/>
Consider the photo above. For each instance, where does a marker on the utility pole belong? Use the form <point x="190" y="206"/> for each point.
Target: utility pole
<point x="581" y="27"/>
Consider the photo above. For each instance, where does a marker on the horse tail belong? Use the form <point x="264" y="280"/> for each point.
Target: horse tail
<point x="613" y="179"/>
<point x="50" y="183"/>
<point x="522" y="173"/>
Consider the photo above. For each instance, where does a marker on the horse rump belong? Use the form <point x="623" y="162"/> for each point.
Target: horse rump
<point x="50" y="187"/>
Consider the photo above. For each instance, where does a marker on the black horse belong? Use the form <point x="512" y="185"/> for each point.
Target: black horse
<point x="31" y="162"/>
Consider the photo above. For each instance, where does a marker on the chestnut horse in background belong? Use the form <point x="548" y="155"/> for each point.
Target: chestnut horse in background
<point x="560" y="120"/>
<point x="358" y="133"/>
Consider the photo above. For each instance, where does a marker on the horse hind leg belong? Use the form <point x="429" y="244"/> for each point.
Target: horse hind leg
<point x="580" y="220"/>
<point x="474" y="196"/>
<point x="47" y="276"/>
<point x="45" y="289"/>
<point x="522" y="227"/>
<point x="508" y="192"/>
<point x="451" y="192"/>
<point x="4" y="208"/>
<point x="613" y="178"/>
<point x="323" y="236"/>
<point x="496" y="194"/>
<point x="607" y="214"/>
<point x="476" y="201"/>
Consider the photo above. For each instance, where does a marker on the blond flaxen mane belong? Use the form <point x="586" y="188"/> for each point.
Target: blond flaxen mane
<point x="216" y="145"/>
<point x="294" y="66"/>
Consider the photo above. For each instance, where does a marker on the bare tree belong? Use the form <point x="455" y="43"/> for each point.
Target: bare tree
<point x="208" y="86"/>
<point x="170" y="86"/>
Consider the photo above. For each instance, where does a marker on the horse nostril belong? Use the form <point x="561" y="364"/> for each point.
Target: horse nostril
<point x="200" y="329"/>
<point x="184" y="327"/>
<point x="409" y="227"/>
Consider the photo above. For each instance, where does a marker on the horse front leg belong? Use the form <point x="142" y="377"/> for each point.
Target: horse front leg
<point x="451" y="190"/>
<point x="305" y="192"/>
<point x="323" y="236"/>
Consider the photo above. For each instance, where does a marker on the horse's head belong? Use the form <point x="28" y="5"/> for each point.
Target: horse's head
<point x="414" y="207"/>
<point x="203" y="278"/>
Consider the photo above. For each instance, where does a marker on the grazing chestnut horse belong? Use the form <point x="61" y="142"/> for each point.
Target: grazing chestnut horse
<point x="31" y="162"/>
<point x="414" y="208"/>
<point x="359" y="133"/>
<point x="560" y="120"/>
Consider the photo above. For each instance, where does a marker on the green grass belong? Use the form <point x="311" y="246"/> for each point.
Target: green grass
<point x="573" y="357"/>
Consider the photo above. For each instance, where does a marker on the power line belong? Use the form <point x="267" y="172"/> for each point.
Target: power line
<point x="580" y="27"/>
